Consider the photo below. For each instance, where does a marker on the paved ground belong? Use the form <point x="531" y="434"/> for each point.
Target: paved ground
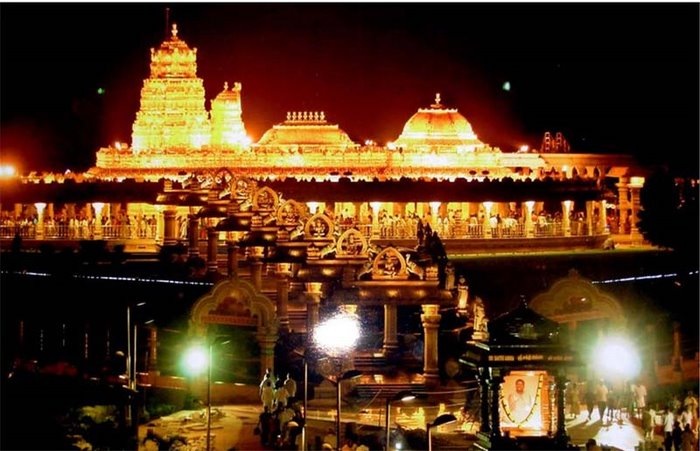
<point x="234" y="429"/>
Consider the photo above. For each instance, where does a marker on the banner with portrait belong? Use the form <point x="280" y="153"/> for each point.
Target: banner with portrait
<point x="521" y="400"/>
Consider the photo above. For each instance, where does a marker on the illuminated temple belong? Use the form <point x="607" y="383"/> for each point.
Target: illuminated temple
<point x="343" y="217"/>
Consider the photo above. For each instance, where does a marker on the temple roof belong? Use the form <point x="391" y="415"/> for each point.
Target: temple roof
<point x="306" y="129"/>
<point x="173" y="58"/>
<point x="523" y="325"/>
<point x="230" y="95"/>
<point x="438" y="126"/>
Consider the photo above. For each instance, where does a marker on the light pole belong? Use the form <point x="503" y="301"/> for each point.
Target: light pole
<point x="337" y="336"/>
<point x="405" y="395"/>
<point x="130" y="360"/>
<point x="439" y="421"/>
<point x="197" y="359"/>
<point x="306" y="395"/>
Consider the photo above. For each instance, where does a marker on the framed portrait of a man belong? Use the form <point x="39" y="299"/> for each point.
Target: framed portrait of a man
<point x="521" y="400"/>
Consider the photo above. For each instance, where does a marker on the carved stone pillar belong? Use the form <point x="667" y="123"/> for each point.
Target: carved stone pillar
<point x="375" y="219"/>
<point x="560" y="381"/>
<point x="484" y="383"/>
<point x="255" y="258"/>
<point x="431" y="323"/>
<point x="153" y="351"/>
<point x="212" y="247"/>
<point x="495" y="401"/>
<point x="529" y="225"/>
<point x="603" y="219"/>
<point x="566" y="216"/>
<point x="635" y="207"/>
<point x="169" y="227"/>
<point x="98" y="206"/>
<point x="391" y="342"/>
<point x="18" y="212"/>
<point x="434" y="214"/>
<point x="623" y="204"/>
<point x="267" y="352"/>
<point x="282" y="272"/>
<point x="358" y="211"/>
<point x="488" y="233"/>
<point x="193" y="234"/>
<point x="589" y="217"/>
<point x="313" y="301"/>
<point x="40" y="206"/>
<point x="232" y="259"/>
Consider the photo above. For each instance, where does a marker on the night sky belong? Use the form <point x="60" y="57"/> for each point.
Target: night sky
<point x="619" y="78"/>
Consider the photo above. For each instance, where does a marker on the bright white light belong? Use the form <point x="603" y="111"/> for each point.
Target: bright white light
<point x="196" y="360"/>
<point x="506" y="86"/>
<point x="398" y="445"/>
<point x="338" y="334"/>
<point x="7" y="171"/>
<point x="616" y="356"/>
<point x="524" y="148"/>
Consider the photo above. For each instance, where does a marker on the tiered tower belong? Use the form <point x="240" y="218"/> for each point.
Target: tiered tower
<point x="227" y="128"/>
<point x="173" y="114"/>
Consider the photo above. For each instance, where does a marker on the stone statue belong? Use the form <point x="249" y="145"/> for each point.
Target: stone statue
<point x="449" y="276"/>
<point x="480" y="321"/>
<point x="462" y="294"/>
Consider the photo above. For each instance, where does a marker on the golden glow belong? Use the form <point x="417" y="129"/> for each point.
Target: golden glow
<point x="434" y="205"/>
<point x="636" y="182"/>
<point x="375" y="206"/>
<point x="7" y="170"/>
<point x="568" y="204"/>
<point x="40" y="206"/>
<point x="487" y="206"/>
<point x="524" y="148"/>
<point x="98" y="206"/>
<point x="530" y="204"/>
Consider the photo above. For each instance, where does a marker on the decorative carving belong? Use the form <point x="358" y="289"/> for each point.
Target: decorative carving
<point x="265" y="199"/>
<point x="291" y="213"/>
<point x="389" y="264"/>
<point x="351" y="244"/>
<point x="319" y="226"/>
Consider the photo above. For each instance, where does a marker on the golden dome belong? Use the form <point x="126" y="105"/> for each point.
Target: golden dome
<point x="438" y="126"/>
<point x="306" y="129"/>
<point x="230" y="95"/>
<point x="174" y="58"/>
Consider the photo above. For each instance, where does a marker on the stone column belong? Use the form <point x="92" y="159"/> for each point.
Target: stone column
<point x="391" y="342"/>
<point x="313" y="301"/>
<point x="375" y="219"/>
<point x="282" y="272"/>
<point x="623" y="204"/>
<point x="495" y="401"/>
<point x="487" y="219"/>
<point x="566" y="216"/>
<point x="193" y="234"/>
<point x="431" y="323"/>
<point x="267" y="352"/>
<point x="603" y="219"/>
<point x="170" y="231"/>
<point x="255" y="258"/>
<point x="529" y="225"/>
<point x="212" y="248"/>
<point x="560" y="386"/>
<point x="484" y="400"/>
<point x="358" y="211"/>
<point x="18" y="212"/>
<point x="153" y="351"/>
<point x="635" y="206"/>
<point x="40" y="206"/>
<point x="589" y="217"/>
<point x="160" y="225"/>
<point x="50" y="211"/>
<point x="232" y="258"/>
<point x="98" y="206"/>
<point x="677" y="358"/>
<point x="434" y="214"/>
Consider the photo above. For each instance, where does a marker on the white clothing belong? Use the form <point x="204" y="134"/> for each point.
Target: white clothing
<point x="669" y="419"/>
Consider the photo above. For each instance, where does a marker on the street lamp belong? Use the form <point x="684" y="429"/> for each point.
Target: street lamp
<point x="198" y="359"/>
<point x="337" y="336"/>
<point x="439" y="421"/>
<point x="402" y="396"/>
<point x="306" y="395"/>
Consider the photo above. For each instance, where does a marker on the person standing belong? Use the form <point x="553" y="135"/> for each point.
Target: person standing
<point x="601" y="398"/>
<point x="267" y="395"/>
<point x="691" y="402"/>
<point x="590" y="399"/>
<point x="291" y="386"/>
<point x="669" y="419"/>
<point x="264" y="423"/>
<point x="640" y="395"/>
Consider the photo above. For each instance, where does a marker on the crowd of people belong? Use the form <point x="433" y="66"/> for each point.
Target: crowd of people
<point x="80" y="226"/>
<point x="282" y="418"/>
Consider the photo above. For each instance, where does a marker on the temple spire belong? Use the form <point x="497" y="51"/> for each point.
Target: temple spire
<point x="437" y="103"/>
<point x="174" y="31"/>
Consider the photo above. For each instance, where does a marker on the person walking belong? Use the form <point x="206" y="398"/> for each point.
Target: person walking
<point x="601" y="398"/>
<point x="267" y="395"/>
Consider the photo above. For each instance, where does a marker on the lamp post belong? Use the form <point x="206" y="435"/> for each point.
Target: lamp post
<point x="198" y="359"/>
<point x="405" y="395"/>
<point x="306" y="395"/>
<point x="337" y="336"/>
<point x="439" y="421"/>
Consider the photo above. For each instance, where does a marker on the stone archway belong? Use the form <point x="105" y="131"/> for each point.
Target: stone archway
<point x="575" y="298"/>
<point x="235" y="302"/>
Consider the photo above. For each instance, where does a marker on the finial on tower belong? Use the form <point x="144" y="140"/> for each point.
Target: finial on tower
<point x="437" y="99"/>
<point x="174" y="30"/>
<point x="225" y="86"/>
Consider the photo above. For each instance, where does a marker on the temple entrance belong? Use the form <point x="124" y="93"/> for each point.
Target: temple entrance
<point x="242" y="325"/>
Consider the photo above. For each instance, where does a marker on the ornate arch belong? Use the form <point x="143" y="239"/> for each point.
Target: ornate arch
<point x="575" y="298"/>
<point x="265" y="199"/>
<point x="351" y="244"/>
<point x="234" y="302"/>
<point x="319" y="226"/>
<point x="389" y="264"/>
<point x="290" y="213"/>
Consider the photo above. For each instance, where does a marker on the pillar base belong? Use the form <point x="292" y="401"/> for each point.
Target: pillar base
<point x="431" y="379"/>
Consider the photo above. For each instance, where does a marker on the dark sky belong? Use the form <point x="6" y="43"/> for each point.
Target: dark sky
<point x="612" y="77"/>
